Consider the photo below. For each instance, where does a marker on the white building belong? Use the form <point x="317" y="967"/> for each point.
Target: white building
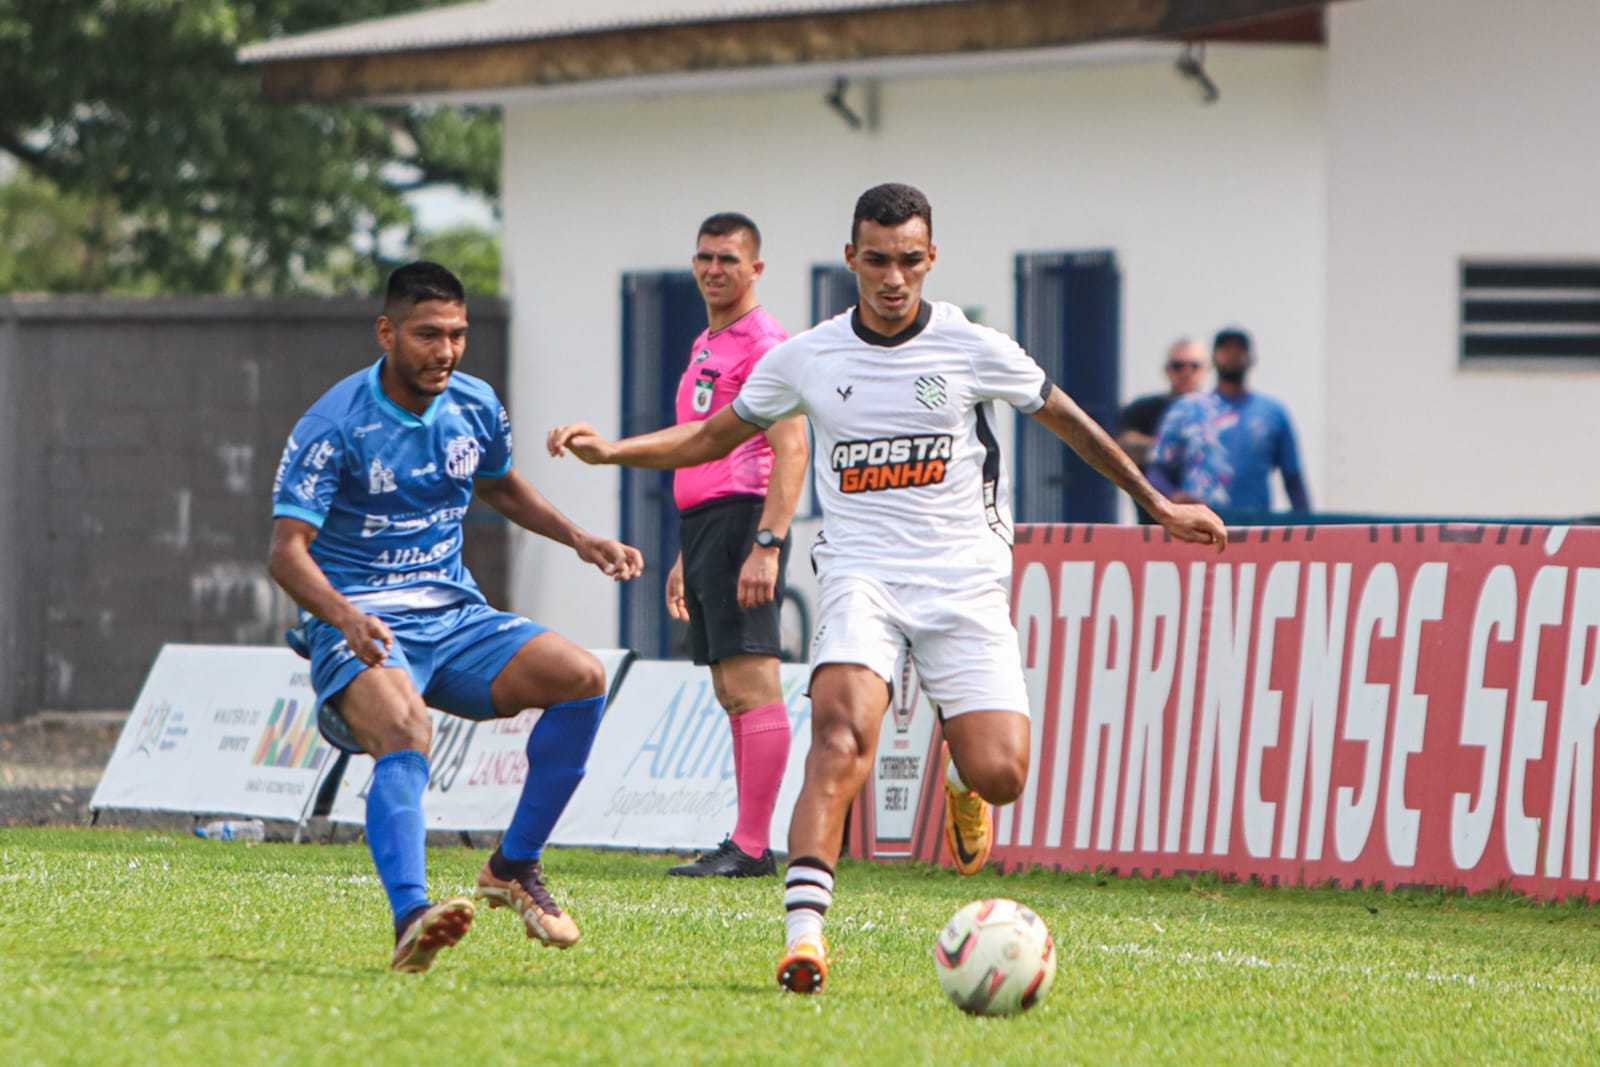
<point x="1356" y="156"/>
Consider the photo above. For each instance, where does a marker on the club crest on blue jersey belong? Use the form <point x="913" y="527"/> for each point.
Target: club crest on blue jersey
<point x="461" y="457"/>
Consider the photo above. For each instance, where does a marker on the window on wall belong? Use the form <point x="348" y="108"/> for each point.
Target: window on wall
<point x="1526" y="311"/>
<point x="833" y="290"/>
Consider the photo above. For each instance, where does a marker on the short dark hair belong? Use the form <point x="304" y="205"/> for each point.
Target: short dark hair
<point x="890" y="204"/>
<point x="418" y="282"/>
<point x="724" y="223"/>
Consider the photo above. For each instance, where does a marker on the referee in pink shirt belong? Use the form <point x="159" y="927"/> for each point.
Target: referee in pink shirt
<point x="728" y="581"/>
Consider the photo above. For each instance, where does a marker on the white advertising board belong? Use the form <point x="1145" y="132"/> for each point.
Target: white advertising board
<point x="661" y="774"/>
<point x="220" y="729"/>
<point x="904" y="745"/>
<point x="476" y="768"/>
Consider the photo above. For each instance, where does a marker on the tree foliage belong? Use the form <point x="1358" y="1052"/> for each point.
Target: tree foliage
<point x="172" y="172"/>
<point x="473" y="254"/>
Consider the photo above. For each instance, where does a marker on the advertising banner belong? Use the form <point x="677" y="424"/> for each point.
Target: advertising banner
<point x="220" y="729"/>
<point x="884" y="821"/>
<point x="476" y="768"/>
<point x="661" y="774"/>
<point x="1352" y="705"/>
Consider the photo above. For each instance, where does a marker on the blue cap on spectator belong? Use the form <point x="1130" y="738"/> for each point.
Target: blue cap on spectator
<point x="1231" y="333"/>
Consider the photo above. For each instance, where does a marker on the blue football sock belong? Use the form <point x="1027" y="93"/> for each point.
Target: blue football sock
<point x="396" y="833"/>
<point x="558" y="749"/>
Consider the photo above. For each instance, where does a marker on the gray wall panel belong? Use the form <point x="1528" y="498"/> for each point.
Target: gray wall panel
<point x="140" y="442"/>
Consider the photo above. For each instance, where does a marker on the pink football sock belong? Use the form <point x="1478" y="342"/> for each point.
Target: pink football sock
<point x="760" y="753"/>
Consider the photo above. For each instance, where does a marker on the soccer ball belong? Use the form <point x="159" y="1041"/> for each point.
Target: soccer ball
<point x="995" y="957"/>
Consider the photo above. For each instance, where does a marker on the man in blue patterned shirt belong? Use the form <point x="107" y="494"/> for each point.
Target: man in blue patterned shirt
<point x="1220" y="447"/>
<point x="367" y="510"/>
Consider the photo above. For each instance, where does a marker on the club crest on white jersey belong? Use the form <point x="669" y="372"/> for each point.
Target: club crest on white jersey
<point x="931" y="391"/>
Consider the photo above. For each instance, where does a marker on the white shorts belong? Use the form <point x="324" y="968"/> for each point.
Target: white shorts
<point x="962" y="641"/>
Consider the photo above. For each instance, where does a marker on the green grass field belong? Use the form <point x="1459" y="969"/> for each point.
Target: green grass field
<point x="136" y="948"/>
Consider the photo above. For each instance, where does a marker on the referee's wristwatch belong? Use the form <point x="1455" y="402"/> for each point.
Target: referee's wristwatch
<point x="767" y="539"/>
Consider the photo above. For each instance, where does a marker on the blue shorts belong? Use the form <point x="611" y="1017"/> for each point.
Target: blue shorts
<point x="452" y="654"/>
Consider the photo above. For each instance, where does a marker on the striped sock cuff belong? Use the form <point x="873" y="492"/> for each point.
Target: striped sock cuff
<point x="808" y="884"/>
<point x="809" y="869"/>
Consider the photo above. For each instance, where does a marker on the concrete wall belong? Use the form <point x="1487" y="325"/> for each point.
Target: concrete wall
<point x="1215" y="213"/>
<point x="141" y="441"/>
<point x="1457" y="129"/>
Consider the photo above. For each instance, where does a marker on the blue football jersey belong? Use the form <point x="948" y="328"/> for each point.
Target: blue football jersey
<point x="387" y="490"/>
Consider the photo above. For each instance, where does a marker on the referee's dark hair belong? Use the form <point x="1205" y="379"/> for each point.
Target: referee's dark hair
<point x="724" y="223"/>
<point x="418" y="282"/>
<point x="890" y="204"/>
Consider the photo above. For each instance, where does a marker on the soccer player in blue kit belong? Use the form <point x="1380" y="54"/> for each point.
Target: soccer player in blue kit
<point x="367" y="511"/>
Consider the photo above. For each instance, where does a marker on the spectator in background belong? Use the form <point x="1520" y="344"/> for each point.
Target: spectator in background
<point x="1185" y="367"/>
<point x="1220" y="447"/>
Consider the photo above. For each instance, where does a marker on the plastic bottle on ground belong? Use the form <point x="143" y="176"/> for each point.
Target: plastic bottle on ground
<point x="232" y="830"/>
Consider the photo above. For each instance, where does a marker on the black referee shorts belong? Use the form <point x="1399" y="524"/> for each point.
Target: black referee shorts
<point x="716" y="537"/>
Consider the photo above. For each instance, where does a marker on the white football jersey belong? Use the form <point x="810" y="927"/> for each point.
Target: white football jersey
<point x="907" y="463"/>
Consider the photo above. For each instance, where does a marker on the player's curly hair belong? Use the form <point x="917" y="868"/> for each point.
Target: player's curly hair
<point x="728" y="222"/>
<point x="890" y="204"/>
<point x="418" y="282"/>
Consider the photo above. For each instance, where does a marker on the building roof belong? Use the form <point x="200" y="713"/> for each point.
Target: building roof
<point x="507" y="21"/>
<point x="495" y="52"/>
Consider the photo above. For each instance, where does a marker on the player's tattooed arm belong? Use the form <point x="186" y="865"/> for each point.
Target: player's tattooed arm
<point x="1188" y="522"/>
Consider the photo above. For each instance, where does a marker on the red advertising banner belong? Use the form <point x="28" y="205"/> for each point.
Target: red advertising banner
<point x="1404" y="705"/>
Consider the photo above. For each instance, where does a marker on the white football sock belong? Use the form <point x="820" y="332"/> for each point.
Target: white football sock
<point x="953" y="776"/>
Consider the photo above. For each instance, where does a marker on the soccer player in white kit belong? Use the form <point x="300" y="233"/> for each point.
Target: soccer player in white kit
<point x="916" y="544"/>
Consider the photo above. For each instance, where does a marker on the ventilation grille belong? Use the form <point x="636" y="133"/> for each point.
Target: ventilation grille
<point x="1530" y="311"/>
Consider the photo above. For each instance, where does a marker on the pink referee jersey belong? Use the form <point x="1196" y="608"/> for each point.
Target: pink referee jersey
<point x="718" y="366"/>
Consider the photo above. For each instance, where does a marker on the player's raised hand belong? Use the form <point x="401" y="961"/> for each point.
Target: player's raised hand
<point x="614" y="558"/>
<point x="1197" y="524"/>
<point x="368" y="638"/>
<point x="581" y="439"/>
